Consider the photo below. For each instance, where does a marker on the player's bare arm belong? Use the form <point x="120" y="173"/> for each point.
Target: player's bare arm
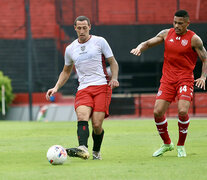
<point x="114" y="71"/>
<point x="197" y="45"/>
<point x="158" y="39"/>
<point x="63" y="77"/>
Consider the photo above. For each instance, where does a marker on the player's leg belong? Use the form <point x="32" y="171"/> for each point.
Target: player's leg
<point x="83" y="114"/>
<point x="102" y="101"/>
<point x="185" y="96"/>
<point x="183" y="123"/>
<point x="161" y="122"/>
<point x="83" y="107"/>
<point x="98" y="133"/>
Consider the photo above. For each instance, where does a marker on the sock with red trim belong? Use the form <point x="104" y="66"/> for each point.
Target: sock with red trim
<point x="161" y="123"/>
<point x="83" y="133"/>
<point x="183" y="123"/>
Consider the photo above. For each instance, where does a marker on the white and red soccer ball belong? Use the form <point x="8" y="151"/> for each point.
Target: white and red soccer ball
<point x="56" y="155"/>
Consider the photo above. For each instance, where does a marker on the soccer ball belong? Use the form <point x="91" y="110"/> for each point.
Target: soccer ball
<point x="56" y="155"/>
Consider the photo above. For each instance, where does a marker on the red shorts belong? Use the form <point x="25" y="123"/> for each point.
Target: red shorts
<point x="169" y="91"/>
<point x="97" y="97"/>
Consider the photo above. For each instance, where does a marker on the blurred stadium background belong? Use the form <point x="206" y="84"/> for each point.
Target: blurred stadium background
<point x="34" y="34"/>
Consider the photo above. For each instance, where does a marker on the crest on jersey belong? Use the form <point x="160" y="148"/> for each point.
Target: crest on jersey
<point x="83" y="48"/>
<point x="184" y="42"/>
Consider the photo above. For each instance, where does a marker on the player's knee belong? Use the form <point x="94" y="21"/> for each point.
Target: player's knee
<point x="158" y="112"/>
<point x="82" y="116"/>
<point x="97" y="127"/>
<point x="182" y="112"/>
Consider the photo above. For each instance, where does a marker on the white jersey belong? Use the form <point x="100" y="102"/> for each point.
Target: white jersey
<point x="88" y="60"/>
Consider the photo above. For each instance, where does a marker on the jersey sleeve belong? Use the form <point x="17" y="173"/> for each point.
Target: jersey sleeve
<point x="106" y="49"/>
<point x="68" y="60"/>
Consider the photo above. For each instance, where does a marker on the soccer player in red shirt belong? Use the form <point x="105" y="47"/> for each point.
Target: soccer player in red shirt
<point x="182" y="46"/>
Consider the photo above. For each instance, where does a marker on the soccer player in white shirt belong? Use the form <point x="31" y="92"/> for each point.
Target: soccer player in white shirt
<point x="88" y="54"/>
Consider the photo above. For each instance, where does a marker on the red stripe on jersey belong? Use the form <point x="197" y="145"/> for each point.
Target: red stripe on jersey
<point x="104" y="68"/>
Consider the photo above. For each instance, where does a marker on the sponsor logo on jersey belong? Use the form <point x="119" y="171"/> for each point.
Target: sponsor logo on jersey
<point x="171" y="40"/>
<point x="184" y="42"/>
<point x="178" y="38"/>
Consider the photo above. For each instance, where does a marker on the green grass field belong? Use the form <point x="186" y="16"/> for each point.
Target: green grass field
<point x="127" y="152"/>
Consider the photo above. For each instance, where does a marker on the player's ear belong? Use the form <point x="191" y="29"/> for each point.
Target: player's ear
<point x="188" y="23"/>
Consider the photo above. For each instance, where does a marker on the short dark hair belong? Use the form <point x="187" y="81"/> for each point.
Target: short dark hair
<point x="182" y="13"/>
<point x="82" y="18"/>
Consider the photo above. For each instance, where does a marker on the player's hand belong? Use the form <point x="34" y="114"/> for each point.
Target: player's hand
<point x="201" y="83"/>
<point x="136" y="51"/>
<point x="114" y="83"/>
<point x="50" y="93"/>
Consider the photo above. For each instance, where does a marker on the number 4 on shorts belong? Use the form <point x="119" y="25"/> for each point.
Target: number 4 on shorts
<point x="183" y="88"/>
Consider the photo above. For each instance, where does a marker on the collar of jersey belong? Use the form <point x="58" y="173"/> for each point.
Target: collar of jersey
<point x="85" y="41"/>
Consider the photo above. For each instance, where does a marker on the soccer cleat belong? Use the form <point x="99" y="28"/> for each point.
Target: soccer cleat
<point x="97" y="155"/>
<point x="80" y="151"/>
<point x="181" y="151"/>
<point x="164" y="148"/>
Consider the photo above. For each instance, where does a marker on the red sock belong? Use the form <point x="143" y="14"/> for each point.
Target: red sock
<point x="161" y="123"/>
<point x="183" y="124"/>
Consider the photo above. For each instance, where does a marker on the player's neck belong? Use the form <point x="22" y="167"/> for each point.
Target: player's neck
<point x="85" y="40"/>
<point x="181" y="34"/>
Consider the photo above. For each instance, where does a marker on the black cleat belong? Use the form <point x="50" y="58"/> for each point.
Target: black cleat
<point x="81" y="152"/>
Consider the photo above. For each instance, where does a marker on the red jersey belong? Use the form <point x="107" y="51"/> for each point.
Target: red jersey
<point x="179" y="58"/>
